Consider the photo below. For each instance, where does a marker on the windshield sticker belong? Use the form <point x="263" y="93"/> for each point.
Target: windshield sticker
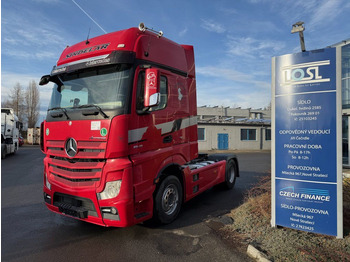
<point x="95" y="125"/>
<point x="103" y="132"/>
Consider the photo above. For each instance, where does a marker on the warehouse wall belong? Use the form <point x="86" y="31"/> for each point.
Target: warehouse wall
<point x="235" y="141"/>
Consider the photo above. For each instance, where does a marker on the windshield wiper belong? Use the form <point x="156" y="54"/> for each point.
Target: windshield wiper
<point x="59" y="108"/>
<point x="96" y="106"/>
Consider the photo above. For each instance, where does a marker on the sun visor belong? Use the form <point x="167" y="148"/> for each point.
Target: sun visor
<point x="116" y="57"/>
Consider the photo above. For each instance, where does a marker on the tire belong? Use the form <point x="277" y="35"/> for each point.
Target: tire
<point x="230" y="174"/>
<point x="15" y="150"/>
<point x="3" y="153"/>
<point x="168" y="200"/>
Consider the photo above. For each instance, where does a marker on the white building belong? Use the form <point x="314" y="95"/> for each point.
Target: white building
<point x="224" y="128"/>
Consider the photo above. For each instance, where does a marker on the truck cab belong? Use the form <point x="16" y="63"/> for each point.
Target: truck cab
<point x="10" y="128"/>
<point x="121" y="131"/>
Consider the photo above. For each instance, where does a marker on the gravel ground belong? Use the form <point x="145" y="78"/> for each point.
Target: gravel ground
<point x="251" y="225"/>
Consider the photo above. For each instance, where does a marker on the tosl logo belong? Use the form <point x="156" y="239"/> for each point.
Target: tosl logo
<point x="305" y="73"/>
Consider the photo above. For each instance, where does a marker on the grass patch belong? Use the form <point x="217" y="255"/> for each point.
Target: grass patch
<point x="252" y="222"/>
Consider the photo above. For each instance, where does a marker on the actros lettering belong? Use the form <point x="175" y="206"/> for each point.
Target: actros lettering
<point x="304" y="73"/>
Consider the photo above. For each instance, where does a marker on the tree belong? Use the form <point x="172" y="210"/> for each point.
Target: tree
<point x="32" y="103"/>
<point x="16" y="101"/>
<point x="268" y="107"/>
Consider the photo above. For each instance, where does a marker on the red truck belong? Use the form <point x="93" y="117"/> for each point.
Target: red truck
<point x="120" y="136"/>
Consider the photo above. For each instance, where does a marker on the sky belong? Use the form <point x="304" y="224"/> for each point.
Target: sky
<point x="234" y="40"/>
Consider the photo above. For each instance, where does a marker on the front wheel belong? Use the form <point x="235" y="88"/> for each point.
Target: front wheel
<point x="3" y="152"/>
<point x="15" y="150"/>
<point x="168" y="200"/>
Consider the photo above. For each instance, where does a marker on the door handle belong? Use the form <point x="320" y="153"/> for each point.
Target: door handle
<point x="168" y="139"/>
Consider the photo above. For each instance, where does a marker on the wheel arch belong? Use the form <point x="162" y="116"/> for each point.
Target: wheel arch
<point x="168" y="170"/>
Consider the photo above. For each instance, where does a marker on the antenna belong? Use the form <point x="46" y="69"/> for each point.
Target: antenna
<point x="89" y="16"/>
<point x="87" y="39"/>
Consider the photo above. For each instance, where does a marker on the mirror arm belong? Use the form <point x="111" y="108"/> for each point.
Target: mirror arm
<point x="143" y="111"/>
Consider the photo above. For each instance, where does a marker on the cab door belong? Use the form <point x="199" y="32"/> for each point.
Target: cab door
<point x="149" y="124"/>
<point x="165" y="124"/>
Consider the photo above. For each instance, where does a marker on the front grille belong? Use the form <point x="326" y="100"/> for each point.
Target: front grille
<point x="86" y="149"/>
<point x="55" y="148"/>
<point x="84" y="170"/>
<point x="74" y="160"/>
<point x="77" y="179"/>
<point x="76" y="170"/>
<point x="91" y="150"/>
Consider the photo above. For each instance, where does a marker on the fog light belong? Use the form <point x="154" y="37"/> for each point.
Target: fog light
<point x="110" y="213"/>
<point x="111" y="190"/>
<point x="47" y="183"/>
<point x="47" y="198"/>
<point x="111" y="210"/>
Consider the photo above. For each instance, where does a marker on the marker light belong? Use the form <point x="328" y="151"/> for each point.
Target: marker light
<point x="47" y="183"/>
<point x="111" y="190"/>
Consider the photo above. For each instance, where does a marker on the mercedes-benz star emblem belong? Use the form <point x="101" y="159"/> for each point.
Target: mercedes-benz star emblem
<point x="71" y="147"/>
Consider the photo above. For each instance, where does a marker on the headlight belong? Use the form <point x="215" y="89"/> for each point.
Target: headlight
<point x="47" y="183"/>
<point x="111" y="190"/>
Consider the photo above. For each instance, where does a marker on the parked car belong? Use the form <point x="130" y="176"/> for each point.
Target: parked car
<point x="21" y="141"/>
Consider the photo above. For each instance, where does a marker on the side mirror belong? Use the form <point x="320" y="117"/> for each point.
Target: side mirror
<point x="152" y="87"/>
<point x="45" y="80"/>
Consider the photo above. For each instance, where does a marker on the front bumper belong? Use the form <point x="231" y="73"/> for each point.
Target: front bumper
<point x="76" y="207"/>
<point x="82" y="202"/>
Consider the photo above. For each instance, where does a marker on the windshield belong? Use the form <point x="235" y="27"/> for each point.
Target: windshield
<point x="106" y="87"/>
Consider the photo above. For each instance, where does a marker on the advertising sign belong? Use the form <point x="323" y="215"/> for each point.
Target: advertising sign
<point x="306" y="144"/>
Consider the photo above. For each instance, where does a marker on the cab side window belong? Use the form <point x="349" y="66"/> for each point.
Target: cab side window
<point x="141" y="90"/>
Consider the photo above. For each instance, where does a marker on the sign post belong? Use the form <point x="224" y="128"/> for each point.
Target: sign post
<point x="306" y="143"/>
